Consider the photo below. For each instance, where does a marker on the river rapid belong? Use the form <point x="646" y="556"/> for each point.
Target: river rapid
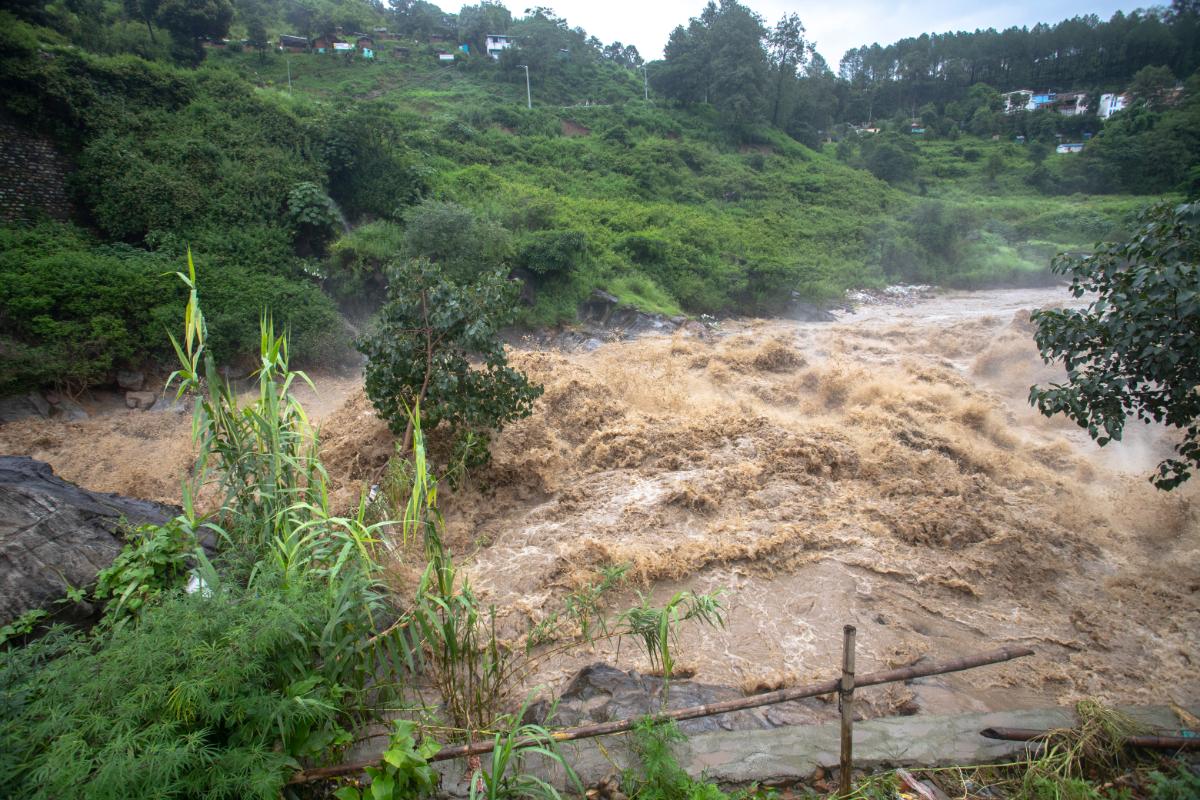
<point x="884" y="470"/>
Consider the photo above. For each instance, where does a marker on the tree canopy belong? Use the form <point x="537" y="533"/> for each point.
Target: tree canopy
<point x="437" y="345"/>
<point x="1134" y="351"/>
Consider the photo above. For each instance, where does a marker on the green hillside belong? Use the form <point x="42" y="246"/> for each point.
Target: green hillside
<point x="295" y="178"/>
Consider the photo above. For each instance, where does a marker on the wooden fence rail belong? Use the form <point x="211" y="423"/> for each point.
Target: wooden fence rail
<point x="692" y="712"/>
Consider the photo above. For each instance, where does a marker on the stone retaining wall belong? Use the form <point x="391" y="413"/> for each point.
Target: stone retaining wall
<point x="33" y="176"/>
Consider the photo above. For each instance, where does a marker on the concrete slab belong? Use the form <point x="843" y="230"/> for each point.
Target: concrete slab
<point x="785" y="755"/>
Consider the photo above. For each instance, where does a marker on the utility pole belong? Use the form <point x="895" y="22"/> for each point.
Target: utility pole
<point x="645" y="84"/>
<point x="528" y="94"/>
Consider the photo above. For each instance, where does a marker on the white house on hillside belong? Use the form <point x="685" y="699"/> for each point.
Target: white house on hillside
<point x="496" y="43"/>
<point x="1111" y="104"/>
<point x="1012" y="101"/>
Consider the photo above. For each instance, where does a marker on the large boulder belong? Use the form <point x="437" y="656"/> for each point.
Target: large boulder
<point x="54" y="534"/>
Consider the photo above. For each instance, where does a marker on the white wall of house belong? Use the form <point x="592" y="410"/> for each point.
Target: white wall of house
<point x="1110" y="104"/>
<point x="496" y="43"/>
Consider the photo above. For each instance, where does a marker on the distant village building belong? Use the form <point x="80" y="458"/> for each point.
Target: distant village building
<point x="1020" y="100"/>
<point x="344" y="48"/>
<point x="1069" y="147"/>
<point x="293" y="44"/>
<point x="1111" y="104"/>
<point x="496" y="44"/>
<point x="1070" y="104"/>
<point x="366" y="45"/>
<point x="445" y="58"/>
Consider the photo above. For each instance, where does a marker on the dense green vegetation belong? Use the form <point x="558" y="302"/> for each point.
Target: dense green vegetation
<point x="299" y="177"/>
<point x="1133" y="351"/>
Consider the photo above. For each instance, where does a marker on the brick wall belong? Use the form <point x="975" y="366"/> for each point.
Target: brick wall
<point x="33" y="176"/>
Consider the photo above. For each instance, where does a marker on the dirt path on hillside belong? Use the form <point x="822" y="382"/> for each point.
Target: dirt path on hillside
<point x="884" y="471"/>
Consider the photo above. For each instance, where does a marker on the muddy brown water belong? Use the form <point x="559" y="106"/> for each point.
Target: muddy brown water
<point x="884" y="470"/>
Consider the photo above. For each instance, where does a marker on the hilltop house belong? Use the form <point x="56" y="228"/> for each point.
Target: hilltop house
<point x="496" y="44"/>
<point x="1111" y="104"/>
<point x="1070" y="104"/>
<point x="365" y="45"/>
<point x="1020" y="100"/>
<point x="1069" y="147"/>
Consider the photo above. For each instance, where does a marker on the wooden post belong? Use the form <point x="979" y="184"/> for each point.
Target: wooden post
<point x="846" y="706"/>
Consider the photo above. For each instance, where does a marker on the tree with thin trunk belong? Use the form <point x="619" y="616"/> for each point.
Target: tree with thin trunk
<point x="437" y="346"/>
<point x="789" y="51"/>
<point x="144" y="10"/>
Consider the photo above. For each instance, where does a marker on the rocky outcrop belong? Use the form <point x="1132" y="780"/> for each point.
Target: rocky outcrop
<point x="54" y="533"/>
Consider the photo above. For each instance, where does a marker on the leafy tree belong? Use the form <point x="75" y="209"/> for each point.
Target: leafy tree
<point x="788" y="50"/>
<point x="889" y="158"/>
<point x="1134" y="351"/>
<point x="193" y="20"/>
<point x="625" y="55"/>
<point x="552" y="253"/>
<point x="719" y="59"/>
<point x="476" y="22"/>
<point x="144" y="10"/>
<point x="437" y="345"/>
<point x="461" y="243"/>
<point x="1152" y="86"/>
<point x="252" y="15"/>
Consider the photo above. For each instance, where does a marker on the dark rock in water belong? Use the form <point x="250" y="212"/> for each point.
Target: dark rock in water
<point x="53" y="533"/>
<point x="602" y="693"/>
<point x="809" y="312"/>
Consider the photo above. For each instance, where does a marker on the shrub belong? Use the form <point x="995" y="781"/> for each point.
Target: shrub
<point x="462" y="243"/>
<point x="421" y="353"/>
<point x="552" y="253"/>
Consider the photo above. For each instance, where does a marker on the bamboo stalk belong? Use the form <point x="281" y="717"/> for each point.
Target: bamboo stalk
<point x="692" y="712"/>
<point x="846" y="707"/>
<point x="1153" y="742"/>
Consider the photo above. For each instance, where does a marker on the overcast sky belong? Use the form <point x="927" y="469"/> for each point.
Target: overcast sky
<point x="834" y="26"/>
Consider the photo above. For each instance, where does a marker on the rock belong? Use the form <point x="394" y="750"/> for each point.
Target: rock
<point x="54" y="534"/>
<point x="40" y="403"/>
<point x="598" y="307"/>
<point x="20" y="407"/>
<point x="68" y="410"/>
<point x="809" y="312"/>
<point x="143" y="400"/>
<point x="130" y="380"/>
<point x="600" y="693"/>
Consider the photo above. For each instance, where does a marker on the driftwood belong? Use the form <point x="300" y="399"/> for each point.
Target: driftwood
<point x="1152" y="742"/>
<point x="692" y="712"/>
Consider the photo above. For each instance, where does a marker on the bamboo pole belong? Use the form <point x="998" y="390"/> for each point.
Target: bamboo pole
<point x="846" y="707"/>
<point x="1152" y="742"/>
<point x="692" y="712"/>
